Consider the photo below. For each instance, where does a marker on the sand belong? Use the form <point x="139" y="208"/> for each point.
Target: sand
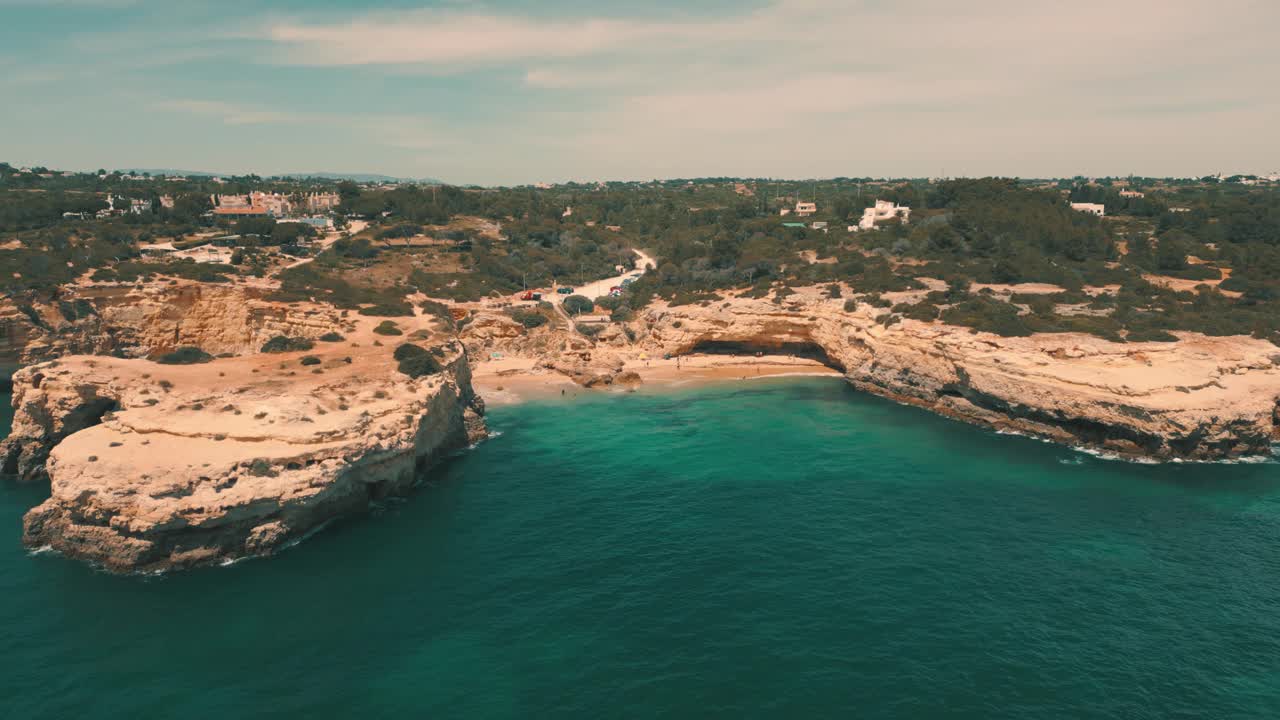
<point x="518" y="379"/>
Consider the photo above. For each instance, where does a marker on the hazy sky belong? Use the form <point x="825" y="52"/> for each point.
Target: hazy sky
<point x="516" y="91"/>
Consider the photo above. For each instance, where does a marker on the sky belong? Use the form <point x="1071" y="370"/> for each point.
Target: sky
<point x="521" y="91"/>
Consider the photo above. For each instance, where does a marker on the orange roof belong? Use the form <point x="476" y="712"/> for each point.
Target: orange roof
<point x="240" y="211"/>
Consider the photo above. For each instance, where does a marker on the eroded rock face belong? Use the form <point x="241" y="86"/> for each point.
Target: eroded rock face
<point x="1202" y="398"/>
<point x="146" y="319"/>
<point x="155" y="467"/>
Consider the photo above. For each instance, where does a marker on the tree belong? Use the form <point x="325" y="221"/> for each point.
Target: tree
<point x="577" y="304"/>
<point x="1171" y="251"/>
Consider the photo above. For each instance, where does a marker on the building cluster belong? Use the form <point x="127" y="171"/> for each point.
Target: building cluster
<point x="276" y="205"/>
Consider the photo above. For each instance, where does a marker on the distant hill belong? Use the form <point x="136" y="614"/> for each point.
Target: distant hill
<point x="354" y="177"/>
<point x="170" y="171"/>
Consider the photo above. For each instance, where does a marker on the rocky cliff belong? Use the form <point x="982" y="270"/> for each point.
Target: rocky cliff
<point x="1202" y="398"/>
<point x="154" y="467"/>
<point x="145" y="319"/>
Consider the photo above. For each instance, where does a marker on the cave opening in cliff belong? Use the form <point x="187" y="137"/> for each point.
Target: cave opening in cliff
<point x="90" y="413"/>
<point x="746" y="349"/>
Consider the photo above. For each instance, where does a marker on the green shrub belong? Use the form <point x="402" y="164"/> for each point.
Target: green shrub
<point x="388" y="309"/>
<point x="922" y="311"/>
<point x="985" y="314"/>
<point x="310" y="360"/>
<point x="609" y="302"/>
<point x="386" y="327"/>
<point x="529" y="319"/>
<point x="577" y="304"/>
<point x="589" y="329"/>
<point x="439" y="311"/>
<point x="280" y="344"/>
<point x="1143" y="334"/>
<point x="415" y="361"/>
<point x="185" y="356"/>
<point x="332" y="337"/>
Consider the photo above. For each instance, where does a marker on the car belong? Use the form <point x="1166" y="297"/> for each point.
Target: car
<point x="627" y="282"/>
<point x="565" y="290"/>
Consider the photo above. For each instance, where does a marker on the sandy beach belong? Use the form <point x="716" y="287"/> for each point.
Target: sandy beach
<point x="518" y="379"/>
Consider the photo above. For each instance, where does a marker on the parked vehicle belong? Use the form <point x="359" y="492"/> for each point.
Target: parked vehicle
<point x="531" y="295"/>
<point x="565" y="290"/>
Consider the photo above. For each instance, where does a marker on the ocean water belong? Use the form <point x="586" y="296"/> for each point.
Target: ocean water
<point x="777" y="548"/>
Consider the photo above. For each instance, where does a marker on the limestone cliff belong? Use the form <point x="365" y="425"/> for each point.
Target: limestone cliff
<point x="1202" y="398"/>
<point x="155" y="467"/>
<point x="145" y="319"/>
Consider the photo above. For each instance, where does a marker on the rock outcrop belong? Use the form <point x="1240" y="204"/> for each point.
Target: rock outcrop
<point x="145" y="319"/>
<point x="154" y="467"/>
<point x="1201" y="398"/>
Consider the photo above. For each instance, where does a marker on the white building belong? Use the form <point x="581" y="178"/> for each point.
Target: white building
<point x="805" y="209"/>
<point x="275" y="204"/>
<point x="321" y="202"/>
<point x="883" y="210"/>
<point x="229" y="201"/>
<point x="1132" y="194"/>
<point x="1092" y="208"/>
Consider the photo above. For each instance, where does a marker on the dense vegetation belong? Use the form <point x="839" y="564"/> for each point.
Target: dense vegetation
<point x="711" y="235"/>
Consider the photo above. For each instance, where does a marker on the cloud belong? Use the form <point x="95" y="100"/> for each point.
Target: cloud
<point x="446" y="39"/>
<point x="401" y="131"/>
<point x="768" y="87"/>
<point x="228" y="113"/>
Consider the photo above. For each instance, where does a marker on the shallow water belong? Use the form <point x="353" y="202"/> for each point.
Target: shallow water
<point x="767" y="549"/>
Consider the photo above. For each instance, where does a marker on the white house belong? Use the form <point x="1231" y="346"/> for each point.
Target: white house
<point x="1092" y="208"/>
<point x="1132" y="194"/>
<point x="883" y="210"/>
<point x="805" y="209"/>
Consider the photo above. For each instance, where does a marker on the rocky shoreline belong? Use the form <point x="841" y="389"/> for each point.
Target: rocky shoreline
<point x="1201" y="398"/>
<point x="156" y="467"/>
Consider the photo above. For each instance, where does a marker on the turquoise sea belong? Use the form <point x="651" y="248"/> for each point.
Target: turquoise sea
<point x="777" y="548"/>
